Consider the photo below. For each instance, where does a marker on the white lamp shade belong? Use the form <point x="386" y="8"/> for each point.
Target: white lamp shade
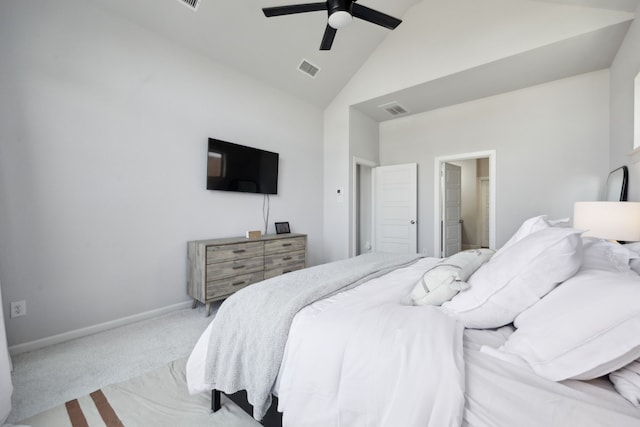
<point x="608" y="220"/>
<point x="339" y="19"/>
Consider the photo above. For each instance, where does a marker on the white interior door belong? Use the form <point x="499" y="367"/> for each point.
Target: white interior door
<point x="451" y="178"/>
<point x="396" y="208"/>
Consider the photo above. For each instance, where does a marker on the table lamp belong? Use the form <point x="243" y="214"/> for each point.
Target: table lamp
<point x="608" y="220"/>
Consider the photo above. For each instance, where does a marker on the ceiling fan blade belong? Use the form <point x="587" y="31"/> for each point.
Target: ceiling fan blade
<point x="374" y="16"/>
<point x="327" y="39"/>
<point x="294" y="8"/>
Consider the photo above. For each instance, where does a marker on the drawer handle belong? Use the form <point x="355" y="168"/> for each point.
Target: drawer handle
<point x="238" y="267"/>
<point x="239" y="251"/>
<point x="287" y="244"/>
<point x="287" y="258"/>
<point x="238" y="283"/>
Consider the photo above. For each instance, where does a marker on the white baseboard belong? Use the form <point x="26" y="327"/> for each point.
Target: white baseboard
<point x="89" y="330"/>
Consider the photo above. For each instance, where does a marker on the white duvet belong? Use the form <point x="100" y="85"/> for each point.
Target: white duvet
<point x="365" y="357"/>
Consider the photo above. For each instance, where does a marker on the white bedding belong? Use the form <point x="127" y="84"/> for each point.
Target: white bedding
<point x="363" y="358"/>
<point x="502" y="394"/>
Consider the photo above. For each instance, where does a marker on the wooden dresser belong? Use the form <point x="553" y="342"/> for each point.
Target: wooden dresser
<point x="217" y="268"/>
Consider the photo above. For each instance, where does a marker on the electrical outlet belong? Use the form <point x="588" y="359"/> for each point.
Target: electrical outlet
<point x="18" y="308"/>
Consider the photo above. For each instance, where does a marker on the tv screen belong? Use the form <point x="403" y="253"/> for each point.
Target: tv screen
<point x="233" y="167"/>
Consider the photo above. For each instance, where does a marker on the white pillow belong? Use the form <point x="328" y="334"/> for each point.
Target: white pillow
<point x="516" y="278"/>
<point x="626" y="381"/>
<point x="600" y="254"/>
<point x="443" y="281"/>
<point x="583" y="329"/>
<point x="532" y="225"/>
<point x="634" y="261"/>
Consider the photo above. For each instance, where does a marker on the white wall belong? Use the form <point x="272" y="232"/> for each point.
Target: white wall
<point x="624" y="70"/>
<point x="364" y="136"/>
<point x="551" y="145"/>
<point x="103" y="139"/>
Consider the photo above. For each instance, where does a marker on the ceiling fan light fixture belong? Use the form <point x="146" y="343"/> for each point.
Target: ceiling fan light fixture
<point x="340" y="19"/>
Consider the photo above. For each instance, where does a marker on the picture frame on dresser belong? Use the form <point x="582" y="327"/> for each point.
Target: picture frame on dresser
<point x="282" y="228"/>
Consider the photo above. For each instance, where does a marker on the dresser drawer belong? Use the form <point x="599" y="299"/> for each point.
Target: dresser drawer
<point x="234" y="267"/>
<point x="234" y="251"/>
<point x="277" y="271"/>
<point x="284" y="245"/>
<point x="218" y="289"/>
<point x="283" y="260"/>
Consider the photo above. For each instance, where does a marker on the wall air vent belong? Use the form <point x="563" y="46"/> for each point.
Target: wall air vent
<point x="394" y="109"/>
<point x="191" y="4"/>
<point x="308" y="68"/>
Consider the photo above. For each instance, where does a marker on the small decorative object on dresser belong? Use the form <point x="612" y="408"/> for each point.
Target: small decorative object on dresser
<point x="217" y="268"/>
<point x="254" y="234"/>
<point x="282" y="228"/>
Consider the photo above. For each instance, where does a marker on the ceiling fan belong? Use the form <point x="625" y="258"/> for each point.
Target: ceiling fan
<point x="341" y="12"/>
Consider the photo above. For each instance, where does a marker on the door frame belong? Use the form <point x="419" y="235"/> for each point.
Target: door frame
<point x="437" y="195"/>
<point x="355" y="220"/>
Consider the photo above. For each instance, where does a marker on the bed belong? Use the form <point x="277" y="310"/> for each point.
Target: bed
<point x="543" y="332"/>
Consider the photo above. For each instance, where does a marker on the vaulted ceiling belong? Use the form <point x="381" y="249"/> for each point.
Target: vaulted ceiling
<point x="237" y="34"/>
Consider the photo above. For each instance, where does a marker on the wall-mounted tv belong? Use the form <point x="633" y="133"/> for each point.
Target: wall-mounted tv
<point x="234" y="167"/>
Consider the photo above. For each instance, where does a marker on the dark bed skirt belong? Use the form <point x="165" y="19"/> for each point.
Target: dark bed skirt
<point x="272" y="418"/>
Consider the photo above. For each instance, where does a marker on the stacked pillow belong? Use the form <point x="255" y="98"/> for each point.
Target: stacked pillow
<point x="539" y="256"/>
<point x="634" y="260"/>
<point x="626" y="380"/>
<point x="585" y="328"/>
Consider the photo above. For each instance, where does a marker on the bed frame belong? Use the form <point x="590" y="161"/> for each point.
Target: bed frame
<point x="272" y="418"/>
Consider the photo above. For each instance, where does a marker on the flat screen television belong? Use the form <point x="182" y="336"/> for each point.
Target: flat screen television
<point x="234" y="167"/>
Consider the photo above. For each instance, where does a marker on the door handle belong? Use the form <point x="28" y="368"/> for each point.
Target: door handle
<point x="412" y="221"/>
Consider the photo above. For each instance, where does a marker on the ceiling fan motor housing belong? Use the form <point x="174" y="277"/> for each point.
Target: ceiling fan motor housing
<point x="339" y="12"/>
<point x="339" y="5"/>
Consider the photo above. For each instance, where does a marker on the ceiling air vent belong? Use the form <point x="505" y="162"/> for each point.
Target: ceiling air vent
<point x="394" y="109"/>
<point x="308" y="68"/>
<point x="191" y="4"/>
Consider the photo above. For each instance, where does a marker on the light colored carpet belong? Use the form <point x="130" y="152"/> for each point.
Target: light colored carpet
<point x="158" y="398"/>
<point x="49" y="377"/>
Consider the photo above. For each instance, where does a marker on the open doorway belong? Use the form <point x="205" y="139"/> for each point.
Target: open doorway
<point x="362" y="208"/>
<point x="384" y="208"/>
<point x="466" y="219"/>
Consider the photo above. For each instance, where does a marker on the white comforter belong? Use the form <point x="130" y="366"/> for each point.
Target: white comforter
<point x="365" y="358"/>
<point x="362" y="358"/>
